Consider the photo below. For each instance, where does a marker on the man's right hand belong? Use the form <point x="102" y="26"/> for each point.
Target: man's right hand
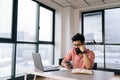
<point x="68" y="66"/>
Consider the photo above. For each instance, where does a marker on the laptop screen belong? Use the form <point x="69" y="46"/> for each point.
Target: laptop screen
<point x="38" y="63"/>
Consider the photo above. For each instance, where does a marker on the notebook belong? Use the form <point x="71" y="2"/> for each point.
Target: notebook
<point x="39" y="65"/>
<point x="81" y="71"/>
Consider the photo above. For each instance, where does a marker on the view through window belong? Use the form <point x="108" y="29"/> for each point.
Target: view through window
<point x="22" y="37"/>
<point x="27" y="32"/>
<point x="6" y="20"/>
<point x="5" y="59"/>
<point x="6" y="33"/>
<point x="92" y="28"/>
<point x="106" y="28"/>
<point x="112" y="29"/>
<point x="45" y="24"/>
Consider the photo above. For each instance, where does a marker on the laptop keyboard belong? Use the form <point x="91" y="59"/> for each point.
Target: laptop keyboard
<point x="51" y="68"/>
<point x="48" y="67"/>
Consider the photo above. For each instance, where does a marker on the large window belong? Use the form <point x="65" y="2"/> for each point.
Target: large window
<point x="29" y="30"/>
<point x="31" y="17"/>
<point x="46" y="36"/>
<point x="92" y="30"/>
<point x="112" y="29"/>
<point x="103" y="28"/>
<point x="6" y="18"/>
<point x="6" y="49"/>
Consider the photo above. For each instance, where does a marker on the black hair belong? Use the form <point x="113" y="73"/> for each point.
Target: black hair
<point x="78" y="37"/>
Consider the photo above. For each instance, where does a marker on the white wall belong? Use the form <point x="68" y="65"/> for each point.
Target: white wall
<point x="67" y="29"/>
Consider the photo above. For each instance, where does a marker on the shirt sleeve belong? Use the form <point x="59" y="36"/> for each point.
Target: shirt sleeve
<point x="91" y="57"/>
<point x="68" y="57"/>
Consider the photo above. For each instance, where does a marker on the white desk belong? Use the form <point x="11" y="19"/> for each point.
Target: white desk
<point x="67" y="75"/>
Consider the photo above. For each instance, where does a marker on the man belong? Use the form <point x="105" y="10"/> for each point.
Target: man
<point x="80" y="56"/>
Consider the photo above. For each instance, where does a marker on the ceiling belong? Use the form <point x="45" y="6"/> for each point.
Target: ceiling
<point x="82" y="3"/>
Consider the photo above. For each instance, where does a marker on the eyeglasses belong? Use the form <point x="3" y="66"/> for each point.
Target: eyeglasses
<point x="77" y="44"/>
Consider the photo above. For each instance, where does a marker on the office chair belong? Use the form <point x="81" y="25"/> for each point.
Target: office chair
<point x="94" y="67"/>
<point x="60" y="60"/>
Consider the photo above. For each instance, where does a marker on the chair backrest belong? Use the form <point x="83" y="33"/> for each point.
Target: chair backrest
<point x="60" y="60"/>
<point x="94" y="67"/>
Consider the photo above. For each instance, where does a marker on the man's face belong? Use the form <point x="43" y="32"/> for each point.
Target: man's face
<point x="77" y="44"/>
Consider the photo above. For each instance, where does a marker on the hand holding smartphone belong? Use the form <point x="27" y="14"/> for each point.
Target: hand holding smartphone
<point x="80" y="50"/>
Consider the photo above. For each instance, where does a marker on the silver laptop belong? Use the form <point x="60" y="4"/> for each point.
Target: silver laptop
<point x="38" y="63"/>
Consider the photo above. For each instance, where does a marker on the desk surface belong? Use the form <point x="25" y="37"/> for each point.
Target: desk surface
<point x="97" y="75"/>
<point x="67" y="75"/>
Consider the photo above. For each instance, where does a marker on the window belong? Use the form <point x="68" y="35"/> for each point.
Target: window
<point x="6" y="8"/>
<point x="46" y="52"/>
<point x="92" y="31"/>
<point x="45" y="24"/>
<point x="31" y="17"/>
<point x="22" y="37"/>
<point x="24" y="57"/>
<point x="26" y="30"/>
<point x="112" y="53"/>
<point x="107" y="28"/>
<point x="5" y="59"/>
<point x="6" y="20"/>
<point x="99" y="54"/>
<point x="112" y="26"/>
<point x="112" y="29"/>
<point x="93" y="27"/>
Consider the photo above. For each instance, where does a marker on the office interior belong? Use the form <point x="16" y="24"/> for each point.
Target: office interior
<point x="47" y="26"/>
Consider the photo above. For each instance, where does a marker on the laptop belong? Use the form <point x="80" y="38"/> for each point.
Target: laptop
<point x="39" y="65"/>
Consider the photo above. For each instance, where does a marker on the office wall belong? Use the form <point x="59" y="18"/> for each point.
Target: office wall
<point x="66" y="30"/>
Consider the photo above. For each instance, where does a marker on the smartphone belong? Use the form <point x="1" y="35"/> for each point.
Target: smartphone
<point x="78" y="51"/>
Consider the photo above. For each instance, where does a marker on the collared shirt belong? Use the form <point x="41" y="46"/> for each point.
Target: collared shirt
<point x="77" y="60"/>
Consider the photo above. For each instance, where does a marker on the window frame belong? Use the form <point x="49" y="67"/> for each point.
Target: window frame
<point x="53" y="35"/>
<point x="82" y="24"/>
<point x="103" y="37"/>
<point x="9" y="40"/>
<point x="14" y="41"/>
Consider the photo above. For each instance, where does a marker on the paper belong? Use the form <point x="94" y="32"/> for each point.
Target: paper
<point x="82" y="71"/>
